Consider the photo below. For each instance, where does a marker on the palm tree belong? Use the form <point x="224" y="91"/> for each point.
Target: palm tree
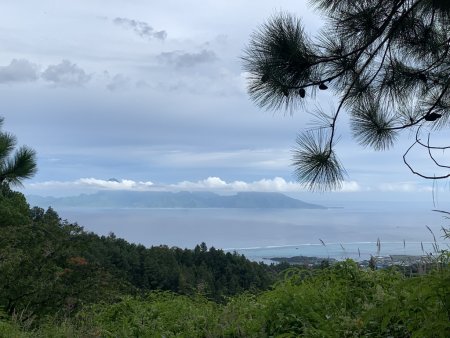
<point x="17" y="166"/>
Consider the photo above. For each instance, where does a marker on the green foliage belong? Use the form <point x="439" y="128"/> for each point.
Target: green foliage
<point x="242" y="316"/>
<point x="14" y="168"/>
<point x="8" y="329"/>
<point x="159" y="314"/>
<point x="13" y="207"/>
<point x="315" y="165"/>
<point x="42" y="272"/>
<point x="50" y="267"/>
<point x="340" y="301"/>
<point x="346" y="301"/>
<point x="213" y="273"/>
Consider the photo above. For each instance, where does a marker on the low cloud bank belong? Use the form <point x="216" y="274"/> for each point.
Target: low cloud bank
<point x="277" y="184"/>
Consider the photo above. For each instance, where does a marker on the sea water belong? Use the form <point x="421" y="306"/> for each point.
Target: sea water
<point x="355" y="231"/>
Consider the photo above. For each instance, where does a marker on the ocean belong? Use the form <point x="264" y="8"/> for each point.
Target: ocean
<point x="351" y="231"/>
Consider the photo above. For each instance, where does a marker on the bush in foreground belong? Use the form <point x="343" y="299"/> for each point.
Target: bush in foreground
<point x="340" y="301"/>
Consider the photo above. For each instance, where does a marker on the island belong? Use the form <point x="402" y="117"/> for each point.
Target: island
<point x="182" y="199"/>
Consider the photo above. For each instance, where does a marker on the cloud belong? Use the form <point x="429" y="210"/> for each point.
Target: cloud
<point x="222" y="39"/>
<point x="118" y="82"/>
<point x="251" y="159"/>
<point x="182" y="59"/>
<point x="404" y="187"/>
<point x="277" y="184"/>
<point x="111" y="184"/>
<point x="350" y="186"/>
<point x="66" y="74"/>
<point x="143" y="29"/>
<point x="19" y="70"/>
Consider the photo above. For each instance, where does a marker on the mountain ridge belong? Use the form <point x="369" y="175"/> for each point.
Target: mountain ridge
<point x="181" y="199"/>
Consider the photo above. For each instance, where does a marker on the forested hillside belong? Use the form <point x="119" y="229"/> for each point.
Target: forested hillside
<point x="57" y="280"/>
<point x="50" y="266"/>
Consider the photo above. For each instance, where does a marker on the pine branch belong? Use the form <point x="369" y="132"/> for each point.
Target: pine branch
<point x="388" y="61"/>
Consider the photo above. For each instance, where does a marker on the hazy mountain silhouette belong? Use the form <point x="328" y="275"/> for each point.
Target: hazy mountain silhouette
<point x="183" y="199"/>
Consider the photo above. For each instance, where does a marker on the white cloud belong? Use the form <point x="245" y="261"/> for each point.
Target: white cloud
<point x="212" y="183"/>
<point x="403" y="187"/>
<point x="350" y="186"/>
<point x="277" y="184"/>
<point x="111" y="184"/>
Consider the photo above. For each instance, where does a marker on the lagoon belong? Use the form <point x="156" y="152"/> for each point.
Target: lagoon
<point x="348" y="231"/>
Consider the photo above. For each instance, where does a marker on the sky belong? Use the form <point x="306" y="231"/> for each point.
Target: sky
<point x="151" y="95"/>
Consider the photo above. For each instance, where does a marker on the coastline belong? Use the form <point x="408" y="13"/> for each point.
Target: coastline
<point x="411" y="264"/>
<point x="358" y="251"/>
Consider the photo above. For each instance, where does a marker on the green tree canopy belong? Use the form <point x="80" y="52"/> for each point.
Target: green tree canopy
<point x="17" y="166"/>
<point x="387" y="62"/>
